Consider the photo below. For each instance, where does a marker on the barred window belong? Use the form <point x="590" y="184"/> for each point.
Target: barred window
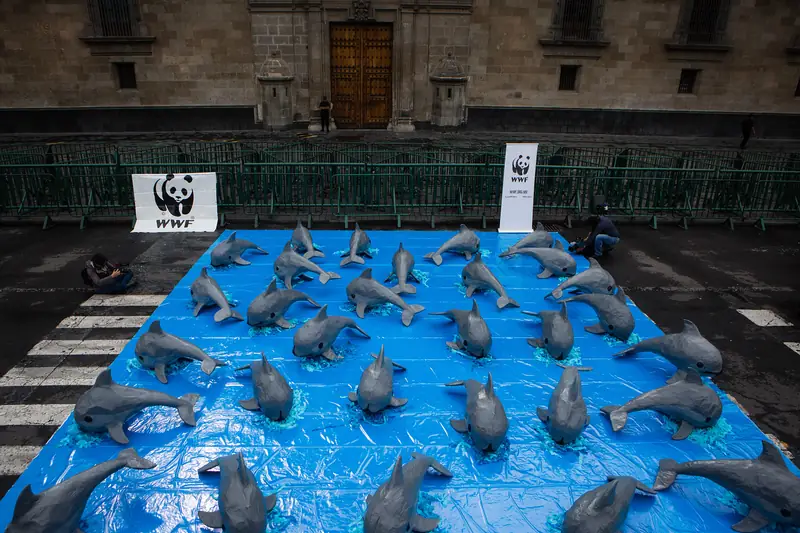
<point x="113" y="18"/>
<point x="578" y="20"/>
<point x="702" y="22"/>
<point x="568" y="78"/>
<point x="688" y="81"/>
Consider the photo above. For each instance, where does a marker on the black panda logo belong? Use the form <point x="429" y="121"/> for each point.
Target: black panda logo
<point x="520" y="166"/>
<point x="176" y="194"/>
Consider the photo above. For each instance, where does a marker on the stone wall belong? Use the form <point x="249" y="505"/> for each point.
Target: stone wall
<point x="202" y="55"/>
<point x="286" y="32"/>
<point x="509" y="67"/>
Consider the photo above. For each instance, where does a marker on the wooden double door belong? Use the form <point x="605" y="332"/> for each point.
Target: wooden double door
<point x="361" y="75"/>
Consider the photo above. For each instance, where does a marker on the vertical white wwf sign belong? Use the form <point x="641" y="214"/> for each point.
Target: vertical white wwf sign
<point x="519" y="176"/>
<point x="175" y="202"/>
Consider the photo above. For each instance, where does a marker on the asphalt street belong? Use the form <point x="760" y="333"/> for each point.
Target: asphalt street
<point x="706" y="274"/>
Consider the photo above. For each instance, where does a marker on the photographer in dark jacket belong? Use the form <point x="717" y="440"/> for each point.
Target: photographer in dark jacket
<point x="603" y="237"/>
<point x="106" y="277"/>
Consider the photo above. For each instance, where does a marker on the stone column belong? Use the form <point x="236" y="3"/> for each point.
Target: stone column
<point x="403" y="121"/>
<point x="449" y="82"/>
<point x="315" y="47"/>
<point x="275" y="80"/>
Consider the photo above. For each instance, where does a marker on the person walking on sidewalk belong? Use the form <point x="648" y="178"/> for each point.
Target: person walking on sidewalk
<point x="748" y="129"/>
<point x="325" y="108"/>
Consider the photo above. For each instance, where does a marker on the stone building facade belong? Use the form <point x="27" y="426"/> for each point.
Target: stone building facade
<point x="384" y="63"/>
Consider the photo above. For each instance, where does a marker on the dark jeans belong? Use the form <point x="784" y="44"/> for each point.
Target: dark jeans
<point x="745" y="138"/>
<point x="118" y="286"/>
<point x="325" y="118"/>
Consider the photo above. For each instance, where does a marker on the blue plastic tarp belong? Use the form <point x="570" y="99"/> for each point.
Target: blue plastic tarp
<point x="328" y="456"/>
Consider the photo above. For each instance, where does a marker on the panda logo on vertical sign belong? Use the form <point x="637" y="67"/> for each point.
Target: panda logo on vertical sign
<point x="519" y="167"/>
<point x="176" y="196"/>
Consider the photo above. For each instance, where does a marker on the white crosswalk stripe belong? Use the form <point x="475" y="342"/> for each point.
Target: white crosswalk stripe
<point x="125" y="300"/>
<point x="91" y="322"/>
<point x="44" y="369"/>
<point x="85" y="347"/>
<point x="43" y="376"/>
<point x="15" y="459"/>
<point x="34" y="415"/>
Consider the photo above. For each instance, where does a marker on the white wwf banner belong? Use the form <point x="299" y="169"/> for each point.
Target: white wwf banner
<point x="175" y="202"/>
<point x="519" y="176"/>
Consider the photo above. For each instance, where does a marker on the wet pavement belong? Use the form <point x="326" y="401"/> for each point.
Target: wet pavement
<point x="705" y="274"/>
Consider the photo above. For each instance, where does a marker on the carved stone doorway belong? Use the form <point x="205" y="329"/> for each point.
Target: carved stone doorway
<point x="361" y="74"/>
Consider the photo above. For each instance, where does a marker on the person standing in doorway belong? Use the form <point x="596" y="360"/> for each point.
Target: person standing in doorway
<point x="748" y="129"/>
<point x="325" y="108"/>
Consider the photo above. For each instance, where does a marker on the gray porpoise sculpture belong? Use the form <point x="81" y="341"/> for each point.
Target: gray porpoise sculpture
<point x="474" y="336"/>
<point x="464" y="242"/>
<point x="359" y="245"/>
<point x="205" y="292"/>
<point x="595" y="280"/>
<point x="557" y="335"/>
<point x="316" y="336"/>
<point x="157" y="348"/>
<point x="687" y="350"/>
<point x="393" y="507"/>
<point x="566" y="417"/>
<point x="230" y="251"/>
<point x="375" y="389"/>
<point x="485" y="420"/>
<point x="539" y="238"/>
<point x="687" y="400"/>
<point x="764" y="484"/>
<point x="477" y="276"/>
<point x="242" y="506"/>
<point x="290" y="264"/>
<point x="364" y="292"/>
<point x="301" y="240"/>
<point x="268" y="308"/>
<point x="612" y="310"/>
<point x="59" y="508"/>
<point x="272" y="395"/>
<point x="555" y="261"/>
<point x="403" y="268"/>
<point x="604" y="509"/>
<point x="107" y="405"/>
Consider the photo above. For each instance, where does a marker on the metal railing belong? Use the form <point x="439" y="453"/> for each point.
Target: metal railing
<point x="402" y="181"/>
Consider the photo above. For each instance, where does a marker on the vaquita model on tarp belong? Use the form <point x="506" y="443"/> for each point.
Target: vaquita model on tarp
<point x="393" y="507"/>
<point x="230" y="251"/>
<point x="364" y="292"/>
<point x="269" y="307"/>
<point x="272" y="395"/>
<point x="604" y="509"/>
<point x="205" y="292"/>
<point x="474" y="336"/>
<point x="687" y="400"/>
<point x="157" y="348"/>
<point x="375" y="390"/>
<point x="59" y="508"/>
<point x="242" y="506"/>
<point x="485" y="418"/>
<point x="316" y="336"/>
<point x="764" y="484"/>
<point x="107" y="405"/>
<point x="464" y="242"/>
<point x="687" y="350"/>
